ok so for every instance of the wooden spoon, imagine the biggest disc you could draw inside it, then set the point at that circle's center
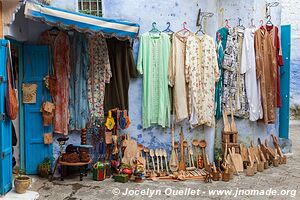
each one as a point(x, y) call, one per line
point(166, 160)
point(176, 146)
point(146, 150)
point(195, 143)
point(202, 144)
point(152, 155)
point(157, 154)
point(161, 154)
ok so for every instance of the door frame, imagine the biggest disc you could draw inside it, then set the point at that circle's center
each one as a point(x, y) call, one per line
point(21, 106)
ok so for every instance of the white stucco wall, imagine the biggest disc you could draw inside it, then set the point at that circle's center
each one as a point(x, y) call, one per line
point(290, 15)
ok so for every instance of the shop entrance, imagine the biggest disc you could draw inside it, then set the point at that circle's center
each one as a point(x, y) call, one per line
point(36, 65)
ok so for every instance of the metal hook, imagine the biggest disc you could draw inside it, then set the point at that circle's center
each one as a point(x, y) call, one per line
point(239, 20)
point(154, 25)
point(168, 25)
point(184, 23)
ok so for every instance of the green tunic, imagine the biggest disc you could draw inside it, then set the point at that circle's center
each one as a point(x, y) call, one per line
point(153, 63)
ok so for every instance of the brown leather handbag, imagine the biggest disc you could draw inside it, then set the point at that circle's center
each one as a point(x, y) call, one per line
point(11, 99)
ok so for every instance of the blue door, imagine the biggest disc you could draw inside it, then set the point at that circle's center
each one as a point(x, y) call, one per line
point(5, 128)
point(36, 60)
point(285, 82)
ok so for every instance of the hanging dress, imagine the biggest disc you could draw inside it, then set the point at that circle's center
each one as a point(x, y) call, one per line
point(153, 61)
point(99, 73)
point(60, 46)
point(78, 98)
point(202, 73)
point(177, 75)
point(266, 72)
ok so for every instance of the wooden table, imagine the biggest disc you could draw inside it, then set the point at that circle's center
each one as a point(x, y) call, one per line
point(82, 168)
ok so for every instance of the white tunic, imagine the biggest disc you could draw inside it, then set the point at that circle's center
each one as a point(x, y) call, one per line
point(248, 67)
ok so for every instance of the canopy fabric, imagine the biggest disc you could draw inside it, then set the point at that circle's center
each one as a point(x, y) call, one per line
point(81, 22)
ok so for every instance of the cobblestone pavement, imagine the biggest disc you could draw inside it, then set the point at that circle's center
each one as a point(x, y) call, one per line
point(284, 177)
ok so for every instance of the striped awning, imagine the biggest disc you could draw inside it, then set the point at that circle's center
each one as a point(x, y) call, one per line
point(81, 22)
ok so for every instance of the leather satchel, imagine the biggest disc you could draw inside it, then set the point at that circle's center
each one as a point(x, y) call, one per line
point(11, 100)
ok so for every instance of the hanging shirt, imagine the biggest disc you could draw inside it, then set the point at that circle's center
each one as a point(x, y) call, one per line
point(221, 40)
point(78, 98)
point(177, 76)
point(123, 68)
point(153, 63)
point(60, 46)
point(274, 31)
point(202, 73)
point(248, 68)
point(99, 73)
point(266, 71)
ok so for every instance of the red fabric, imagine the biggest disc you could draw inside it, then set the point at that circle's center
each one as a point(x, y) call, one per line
point(277, 47)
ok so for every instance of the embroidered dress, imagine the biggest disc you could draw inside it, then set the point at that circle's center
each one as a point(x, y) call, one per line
point(202, 73)
point(177, 76)
point(78, 99)
point(248, 67)
point(60, 46)
point(99, 73)
point(153, 63)
point(266, 72)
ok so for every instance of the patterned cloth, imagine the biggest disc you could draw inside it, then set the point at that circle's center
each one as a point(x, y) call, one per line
point(99, 73)
point(230, 71)
point(61, 62)
point(202, 73)
point(78, 98)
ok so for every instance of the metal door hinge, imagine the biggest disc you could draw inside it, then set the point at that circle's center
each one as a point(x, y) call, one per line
point(2, 117)
point(2, 155)
point(1, 79)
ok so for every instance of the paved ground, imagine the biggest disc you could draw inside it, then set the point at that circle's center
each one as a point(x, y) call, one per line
point(285, 177)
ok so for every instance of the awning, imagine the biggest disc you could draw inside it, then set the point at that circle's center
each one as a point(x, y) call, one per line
point(81, 22)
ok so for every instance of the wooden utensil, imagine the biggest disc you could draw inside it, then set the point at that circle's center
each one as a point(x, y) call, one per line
point(226, 122)
point(188, 153)
point(161, 153)
point(202, 144)
point(232, 161)
point(195, 143)
point(131, 150)
point(157, 158)
point(182, 161)
point(140, 157)
point(166, 160)
point(152, 155)
point(214, 167)
point(238, 161)
point(174, 156)
point(276, 145)
point(233, 125)
point(244, 152)
point(146, 150)
point(176, 147)
point(192, 157)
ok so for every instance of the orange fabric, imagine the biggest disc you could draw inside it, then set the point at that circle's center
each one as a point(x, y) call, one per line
point(266, 70)
point(61, 62)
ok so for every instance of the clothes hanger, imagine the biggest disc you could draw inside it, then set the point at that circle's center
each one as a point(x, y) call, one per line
point(184, 28)
point(252, 25)
point(269, 22)
point(240, 25)
point(227, 23)
point(154, 29)
point(54, 30)
point(168, 30)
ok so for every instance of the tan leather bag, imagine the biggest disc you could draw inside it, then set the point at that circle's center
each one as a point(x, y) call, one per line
point(11, 99)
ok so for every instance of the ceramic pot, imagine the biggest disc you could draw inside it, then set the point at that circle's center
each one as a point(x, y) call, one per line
point(21, 184)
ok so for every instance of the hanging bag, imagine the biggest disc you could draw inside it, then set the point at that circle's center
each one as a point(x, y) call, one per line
point(11, 100)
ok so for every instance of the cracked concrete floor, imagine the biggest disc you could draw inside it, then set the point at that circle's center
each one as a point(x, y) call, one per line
point(280, 178)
